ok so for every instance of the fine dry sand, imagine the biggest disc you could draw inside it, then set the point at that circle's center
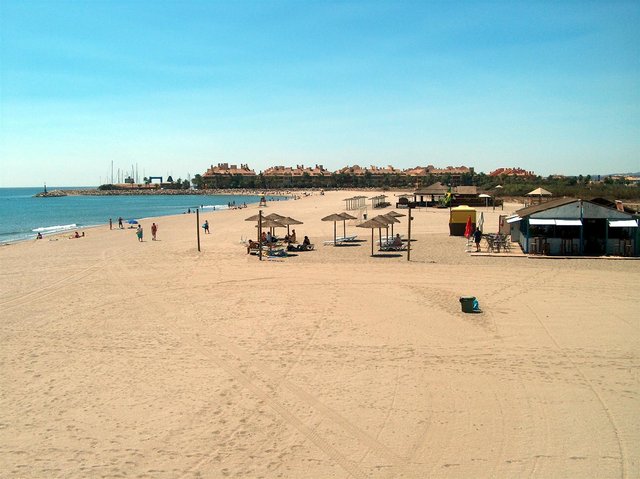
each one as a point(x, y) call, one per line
point(154, 360)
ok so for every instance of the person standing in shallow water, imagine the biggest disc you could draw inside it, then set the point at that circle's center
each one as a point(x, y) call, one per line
point(139, 233)
point(110, 224)
point(154, 230)
point(120, 223)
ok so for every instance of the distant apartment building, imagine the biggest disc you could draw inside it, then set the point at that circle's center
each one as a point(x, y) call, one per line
point(225, 175)
point(517, 172)
point(372, 170)
point(298, 171)
point(225, 169)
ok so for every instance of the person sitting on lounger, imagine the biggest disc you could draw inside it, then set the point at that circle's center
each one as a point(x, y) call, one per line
point(306, 241)
point(252, 245)
point(292, 236)
point(397, 241)
point(263, 237)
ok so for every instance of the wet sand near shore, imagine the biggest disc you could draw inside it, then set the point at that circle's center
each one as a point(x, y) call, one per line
point(128, 359)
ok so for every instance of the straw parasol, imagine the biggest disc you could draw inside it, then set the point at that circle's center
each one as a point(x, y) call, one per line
point(394, 214)
point(387, 220)
point(275, 216)
point(271, 223)
point(372, 224)
point(288, 221)
point(345, 217)
point(539, 192)
point(335, 218)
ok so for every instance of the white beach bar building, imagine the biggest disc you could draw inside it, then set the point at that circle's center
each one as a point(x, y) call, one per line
point(571, 226)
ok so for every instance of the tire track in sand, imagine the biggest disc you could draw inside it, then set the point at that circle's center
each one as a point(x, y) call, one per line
point(217, 357)
point(57, 285)
point(612, 422)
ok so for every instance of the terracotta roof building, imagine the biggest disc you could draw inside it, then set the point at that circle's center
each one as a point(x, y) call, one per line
point(519, 172)
point(229, 170)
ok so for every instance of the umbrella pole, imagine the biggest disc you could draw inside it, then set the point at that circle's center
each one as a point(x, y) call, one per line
point(409, 239)
point(198, 226)
point(260, 235)
point(334, 233)
point(371, 241)
point(344, 229)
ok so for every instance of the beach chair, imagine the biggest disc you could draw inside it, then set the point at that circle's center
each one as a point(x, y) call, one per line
point(391, 247)
point(342, 239)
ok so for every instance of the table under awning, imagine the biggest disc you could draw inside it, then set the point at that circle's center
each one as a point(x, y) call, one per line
point(623, 223)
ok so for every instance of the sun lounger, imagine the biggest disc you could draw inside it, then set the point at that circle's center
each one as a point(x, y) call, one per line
point(391, 247)
point(300, 247)
point(342, 239)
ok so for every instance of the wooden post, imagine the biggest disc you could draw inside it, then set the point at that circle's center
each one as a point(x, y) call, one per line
point(198, 226)
point(260, 234)
point(409, 240)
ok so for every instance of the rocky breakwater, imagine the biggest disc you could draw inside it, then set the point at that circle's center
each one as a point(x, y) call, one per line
point(51, 194)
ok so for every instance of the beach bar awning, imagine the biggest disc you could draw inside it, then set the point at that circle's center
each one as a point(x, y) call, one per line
point(551, 222)
point(623, 223)
point(513, 219)
point(568, 223)
point(541, 222)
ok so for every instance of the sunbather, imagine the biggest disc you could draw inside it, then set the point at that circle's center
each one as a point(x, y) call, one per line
point(252, 245)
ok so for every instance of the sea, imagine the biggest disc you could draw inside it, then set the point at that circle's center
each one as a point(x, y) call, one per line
point(22, 216)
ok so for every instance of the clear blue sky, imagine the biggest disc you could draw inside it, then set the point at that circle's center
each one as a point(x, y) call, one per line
point(176, 86)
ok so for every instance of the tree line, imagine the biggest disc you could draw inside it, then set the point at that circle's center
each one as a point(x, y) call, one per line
point(575, 186)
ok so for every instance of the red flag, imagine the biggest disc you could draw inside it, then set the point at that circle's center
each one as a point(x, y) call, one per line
point(467, 229)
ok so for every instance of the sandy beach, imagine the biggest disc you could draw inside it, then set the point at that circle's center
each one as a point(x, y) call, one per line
point(154, 360)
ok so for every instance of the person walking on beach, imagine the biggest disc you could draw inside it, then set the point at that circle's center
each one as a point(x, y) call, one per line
point(110, 224)
point(120, 223)
point(477, 237)
point(154, 230)
point(139, 233)
point(206, 226)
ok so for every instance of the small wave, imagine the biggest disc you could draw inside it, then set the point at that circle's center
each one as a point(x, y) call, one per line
point(214, 207)
point(54, 229)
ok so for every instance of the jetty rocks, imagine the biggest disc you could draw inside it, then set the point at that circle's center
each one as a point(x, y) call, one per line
point(51, 194)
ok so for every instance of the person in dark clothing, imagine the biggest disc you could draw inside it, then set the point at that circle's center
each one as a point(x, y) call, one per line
point(477, 237)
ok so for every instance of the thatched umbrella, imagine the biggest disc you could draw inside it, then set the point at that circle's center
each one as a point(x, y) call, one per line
point(335, 218)
point(287, 221)
point(394, 214)
point(372, 224)
point(387, 220)
point(345, 217)
point(539, 192)
point(275, 216)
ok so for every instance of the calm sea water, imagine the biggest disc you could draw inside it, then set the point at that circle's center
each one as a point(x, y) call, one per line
point(22, 216)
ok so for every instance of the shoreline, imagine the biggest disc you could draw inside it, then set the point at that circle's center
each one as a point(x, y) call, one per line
point(166, 192)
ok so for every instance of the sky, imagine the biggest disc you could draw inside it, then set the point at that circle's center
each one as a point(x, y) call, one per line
point(176, 86)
